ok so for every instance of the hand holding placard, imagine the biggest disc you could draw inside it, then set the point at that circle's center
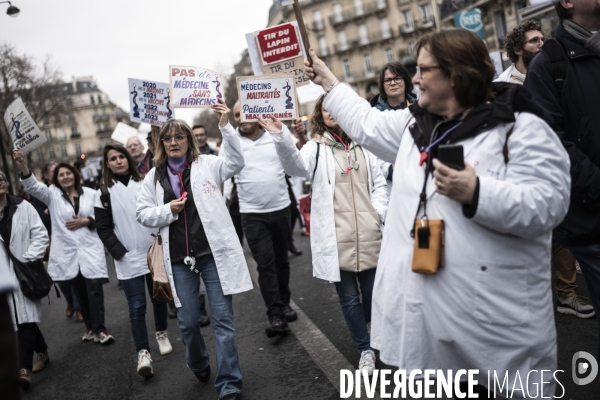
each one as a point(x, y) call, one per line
point(223, 111)
point(318, 72)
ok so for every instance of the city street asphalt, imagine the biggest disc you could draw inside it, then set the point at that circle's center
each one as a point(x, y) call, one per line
point(302, 366)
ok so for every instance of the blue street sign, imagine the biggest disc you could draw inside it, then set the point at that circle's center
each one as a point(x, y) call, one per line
point(470, 20)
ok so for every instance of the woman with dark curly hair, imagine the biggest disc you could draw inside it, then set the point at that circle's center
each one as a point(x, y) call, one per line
point(521, 45)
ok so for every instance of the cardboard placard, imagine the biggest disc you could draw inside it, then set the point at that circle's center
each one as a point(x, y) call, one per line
point(194, 87)
point(23, 130)
point(267, 95)
point(291, 66)
point(154, 102)
point(278, 43)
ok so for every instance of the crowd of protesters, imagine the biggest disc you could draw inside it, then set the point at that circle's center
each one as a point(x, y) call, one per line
point(439, 262)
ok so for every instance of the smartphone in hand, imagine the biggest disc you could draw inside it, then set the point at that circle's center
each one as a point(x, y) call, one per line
point(452, 156)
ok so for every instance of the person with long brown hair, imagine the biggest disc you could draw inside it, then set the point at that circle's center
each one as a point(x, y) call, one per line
point(348, 208)
point(485, 208)
point(128, 243)
point(76, 252)
point(181, 197)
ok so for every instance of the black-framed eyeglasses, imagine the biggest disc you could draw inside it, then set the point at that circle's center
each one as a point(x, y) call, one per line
point(169, 139)
point(397, 80)
point(536, 40)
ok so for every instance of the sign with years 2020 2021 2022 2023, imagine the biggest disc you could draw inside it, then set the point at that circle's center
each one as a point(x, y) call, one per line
point(267, 95)
point(149, 102)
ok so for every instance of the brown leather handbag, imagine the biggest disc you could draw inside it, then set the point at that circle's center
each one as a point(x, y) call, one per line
point(161, 288)
point(428, 254)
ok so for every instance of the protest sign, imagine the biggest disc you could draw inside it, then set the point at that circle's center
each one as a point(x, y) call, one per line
point(149, 102)
point(23, 130)
point(275, 59)
point(123, 132)
point(265, 96)
point(194, 87)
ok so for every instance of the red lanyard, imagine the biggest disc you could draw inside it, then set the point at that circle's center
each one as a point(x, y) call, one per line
point(182, 190)
point(339, 139)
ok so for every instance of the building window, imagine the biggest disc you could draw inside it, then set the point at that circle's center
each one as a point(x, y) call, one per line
point(99, 99)
point(347, 69)
point(92, 100)
point(337, 11)
point(51, 153)
point(408, 20)
point(389, 54)
point(362, 34)
point(426, 13)
point(342, 39)
point(358, 7)
point(60, 135)
point(385, 28)
point(74, 131)
point(381, 4)
point(95, 112)
point(368, 64)
point(103, 110)
point(77, 149)
point(63, 150)
point(318, 24)
point(48, 135)
point(410, 47)
point(323, 45)
point(500, 27)
point(99, 126)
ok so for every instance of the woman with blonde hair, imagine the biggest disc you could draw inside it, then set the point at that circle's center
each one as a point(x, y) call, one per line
point(348, 208)
point(181, 196)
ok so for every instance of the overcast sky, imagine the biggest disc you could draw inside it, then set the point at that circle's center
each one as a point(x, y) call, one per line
point(115, 40)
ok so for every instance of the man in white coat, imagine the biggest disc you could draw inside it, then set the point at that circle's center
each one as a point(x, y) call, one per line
point(521, 45)
point(265, 210)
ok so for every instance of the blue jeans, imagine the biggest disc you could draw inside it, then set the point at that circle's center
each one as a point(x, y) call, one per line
point(357, 313)
point(589, 261)
point(135, 292)
point(187, 283)
point(69, 292)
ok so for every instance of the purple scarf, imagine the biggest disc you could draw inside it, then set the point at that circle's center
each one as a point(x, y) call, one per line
point(176, 164)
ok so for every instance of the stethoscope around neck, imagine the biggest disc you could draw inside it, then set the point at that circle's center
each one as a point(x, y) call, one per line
point(349, 167)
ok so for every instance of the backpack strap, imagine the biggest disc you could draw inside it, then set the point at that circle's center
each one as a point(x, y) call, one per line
point(105, 198)
point(505, 147)
point(555, 54)
point(317, 161)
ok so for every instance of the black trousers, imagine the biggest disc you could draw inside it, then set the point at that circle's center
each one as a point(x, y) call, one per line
point(9, 371)
point(236, 218)
point(268, 235)
point(90, 295)
point(31, 341)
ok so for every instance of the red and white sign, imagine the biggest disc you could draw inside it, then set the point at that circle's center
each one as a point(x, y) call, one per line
point(278, 43)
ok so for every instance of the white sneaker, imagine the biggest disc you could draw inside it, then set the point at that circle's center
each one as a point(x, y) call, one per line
point(87, 336)
point(144, 367)
point(577, 267)
point(164, 346)
point(104, 338)
point(367, 361)
point(576, 305)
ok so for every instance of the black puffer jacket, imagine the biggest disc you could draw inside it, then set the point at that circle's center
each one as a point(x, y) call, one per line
point(575, 117)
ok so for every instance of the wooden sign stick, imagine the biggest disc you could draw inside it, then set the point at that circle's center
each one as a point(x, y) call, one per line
point(303, 32)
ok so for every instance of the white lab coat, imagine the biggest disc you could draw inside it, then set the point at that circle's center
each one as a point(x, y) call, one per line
point(490, 307)
point(505, 76)
point(136, 238)
point(28, 242)
point(207, 174)
point(323, 238)
point(70, 251)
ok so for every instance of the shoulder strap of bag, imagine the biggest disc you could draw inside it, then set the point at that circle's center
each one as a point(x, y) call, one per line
point(316, 161)
point(105, 198)
point(505, 147)
point(555, 54)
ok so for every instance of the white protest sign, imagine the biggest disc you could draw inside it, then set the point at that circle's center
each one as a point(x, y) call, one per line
point(194, 87)
point(23, 130)
point(123, 132)
point(497, 60)
point(267, 95)
point(149, 102)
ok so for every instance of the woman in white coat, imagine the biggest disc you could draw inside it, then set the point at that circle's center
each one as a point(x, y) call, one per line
point(128, 243)
point(22, 231)
point(348, 206)
point(182, 197)
point(490, 307)
point(76, 252)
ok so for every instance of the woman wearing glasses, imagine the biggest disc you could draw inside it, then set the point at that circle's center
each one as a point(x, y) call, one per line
point(490, 306)
point(181, 196)
point(348, 207)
